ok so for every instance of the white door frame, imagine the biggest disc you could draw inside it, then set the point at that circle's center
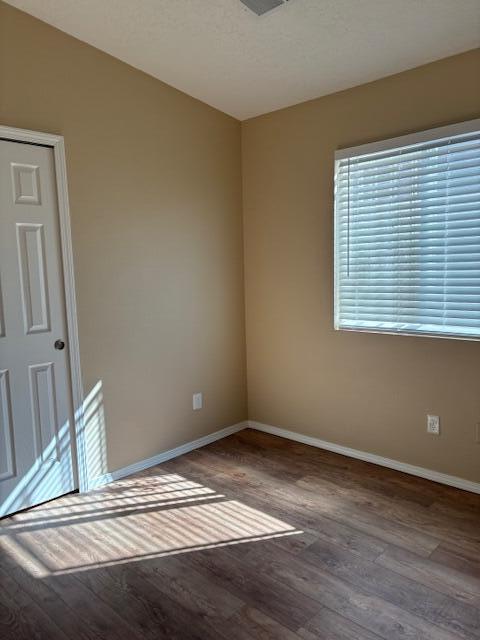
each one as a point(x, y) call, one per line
point(76, 411)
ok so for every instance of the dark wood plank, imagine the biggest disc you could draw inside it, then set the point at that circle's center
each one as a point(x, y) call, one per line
point(410, 595)
point(149, 610)
point(433, 574)
point(21, 617)
point(251, 624)
point(328, 625)
point(456, 558)
point(258, 590)
point(69, 620)
point(190, 589)
point(360, 606)
point(436, 524)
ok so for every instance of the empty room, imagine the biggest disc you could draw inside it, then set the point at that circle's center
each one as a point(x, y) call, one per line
point(240, 320)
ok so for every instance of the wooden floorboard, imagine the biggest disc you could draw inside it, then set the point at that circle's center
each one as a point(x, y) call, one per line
point(252, 537)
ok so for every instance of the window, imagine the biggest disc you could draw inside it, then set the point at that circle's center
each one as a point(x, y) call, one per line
point(407, 234)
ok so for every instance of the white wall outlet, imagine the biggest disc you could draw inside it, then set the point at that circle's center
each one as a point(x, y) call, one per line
point(433, 425)
point(197, 401)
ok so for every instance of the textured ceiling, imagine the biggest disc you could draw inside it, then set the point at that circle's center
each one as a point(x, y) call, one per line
point(222, 53)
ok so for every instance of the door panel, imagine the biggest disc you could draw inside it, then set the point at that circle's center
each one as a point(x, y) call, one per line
point(35, 394)
point(26, 183)
point(2, 321)
point(31, 258)
point(7, 452)
point(44, 411)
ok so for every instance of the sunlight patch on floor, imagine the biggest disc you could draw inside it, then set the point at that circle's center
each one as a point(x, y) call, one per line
point(135, 519)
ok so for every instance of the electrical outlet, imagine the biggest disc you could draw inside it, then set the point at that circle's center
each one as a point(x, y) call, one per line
point(197, 401)
point(433, 425)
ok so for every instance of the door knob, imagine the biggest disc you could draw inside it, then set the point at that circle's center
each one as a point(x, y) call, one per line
point(59, 345)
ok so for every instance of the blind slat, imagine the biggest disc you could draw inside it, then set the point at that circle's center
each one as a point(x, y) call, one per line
point(452, 168)
point(422, 180)
point(423, 210)
point(413, 154)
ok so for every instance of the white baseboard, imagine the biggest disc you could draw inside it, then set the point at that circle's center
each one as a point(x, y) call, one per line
point(429, 474)
point(436, 476)
point(99, 481)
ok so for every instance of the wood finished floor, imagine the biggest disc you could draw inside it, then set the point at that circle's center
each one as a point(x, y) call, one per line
point(252, 537)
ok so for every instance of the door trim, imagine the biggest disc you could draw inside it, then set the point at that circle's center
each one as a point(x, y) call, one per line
point(76, 411)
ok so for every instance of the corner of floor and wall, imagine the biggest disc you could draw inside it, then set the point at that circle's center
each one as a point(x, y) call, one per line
point(368, 392)
point(169, 198)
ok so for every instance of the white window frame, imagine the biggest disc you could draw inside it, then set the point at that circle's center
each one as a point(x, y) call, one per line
point(428, 135)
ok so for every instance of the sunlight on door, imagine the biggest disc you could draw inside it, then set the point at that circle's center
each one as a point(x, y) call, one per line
point(52, 466)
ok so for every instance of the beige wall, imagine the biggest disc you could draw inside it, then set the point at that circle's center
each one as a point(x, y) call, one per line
point(155, 188)
point(370, 392)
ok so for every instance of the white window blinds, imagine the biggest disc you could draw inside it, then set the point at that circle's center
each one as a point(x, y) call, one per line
point(407, 234)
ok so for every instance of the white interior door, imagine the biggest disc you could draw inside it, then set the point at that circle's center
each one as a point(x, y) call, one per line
point(35, 396)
